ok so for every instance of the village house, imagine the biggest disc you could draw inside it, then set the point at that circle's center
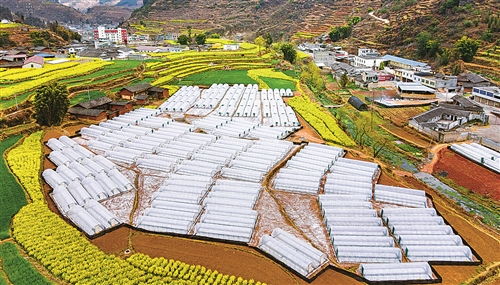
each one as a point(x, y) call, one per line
point(437, 81)
point(143, 93)
point(414, 90)
point(489, 95)
point(231, 47)
point(100, 109)
point(324, 58)
point(171, 36)
point(446, 117)
point(468, 80)
point(368, 58)
point(34, 62)
point(396, 62)
point(41, 49)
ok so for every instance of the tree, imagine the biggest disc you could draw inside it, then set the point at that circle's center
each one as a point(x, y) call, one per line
point(289, 52)
point(51, 104)
point(5, 39)
point(427, 47)
point(200, 39)
point(444, 57)
point(260, 42)
point(340, 33)
point(344, 80)
point(269, 40)
point(467, 48)
point(183, 40)
point(379, 146)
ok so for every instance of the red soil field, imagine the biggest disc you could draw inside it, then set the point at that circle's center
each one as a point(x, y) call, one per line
point(468, 174)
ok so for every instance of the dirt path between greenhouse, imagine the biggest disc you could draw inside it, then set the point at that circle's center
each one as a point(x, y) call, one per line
point(429, 167)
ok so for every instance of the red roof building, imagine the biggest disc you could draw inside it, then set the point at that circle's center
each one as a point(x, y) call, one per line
point(34, 62)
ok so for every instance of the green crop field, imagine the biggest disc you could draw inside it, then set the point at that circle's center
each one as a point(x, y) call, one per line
point(86, 96)
point(278, 83)
point(217, 76)
point(12, 196)
point(17, 268)
point(119, 65)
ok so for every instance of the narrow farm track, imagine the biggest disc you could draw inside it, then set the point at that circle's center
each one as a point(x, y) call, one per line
point(429, 167)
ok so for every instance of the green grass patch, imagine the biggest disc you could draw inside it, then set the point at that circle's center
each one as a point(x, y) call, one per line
point(17, 268)
point(86, 96)
point(12, 196)
point(329, 78)
point(291, 73)
point(217, 76)
point(2, 280)
point(278, 83)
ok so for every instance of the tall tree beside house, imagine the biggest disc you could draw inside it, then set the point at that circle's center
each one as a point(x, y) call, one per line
point(183, 40)
point(51, 104)
point(344, 80)
point(269, 40)
point(289, 52)
point(200, 39)
point(467, 48)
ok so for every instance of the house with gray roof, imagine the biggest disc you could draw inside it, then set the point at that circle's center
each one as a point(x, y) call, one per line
point(446, 117)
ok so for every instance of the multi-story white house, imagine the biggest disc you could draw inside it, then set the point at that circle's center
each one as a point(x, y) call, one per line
point(116, 36)
point(368, 58)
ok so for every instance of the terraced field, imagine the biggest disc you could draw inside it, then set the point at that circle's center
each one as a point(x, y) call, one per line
point(17, 86)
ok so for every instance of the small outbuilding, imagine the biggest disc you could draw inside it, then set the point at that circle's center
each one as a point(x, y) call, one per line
point(34, 62)
point(357, 103)
point(100, 109)
point(143, 93)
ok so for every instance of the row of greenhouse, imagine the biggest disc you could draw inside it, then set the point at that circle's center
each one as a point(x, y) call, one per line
point(357, 233)
point(80, 181)
point(304, 171)
point(424, 236)
point(182, 100)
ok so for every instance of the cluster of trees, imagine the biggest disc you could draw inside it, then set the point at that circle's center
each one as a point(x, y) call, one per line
point(199, 39)
point(51, 104)
point(428, 47)
point(343, 32)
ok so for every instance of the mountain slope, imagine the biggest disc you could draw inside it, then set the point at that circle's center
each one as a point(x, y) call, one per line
point(45, 10)
point(251, 16)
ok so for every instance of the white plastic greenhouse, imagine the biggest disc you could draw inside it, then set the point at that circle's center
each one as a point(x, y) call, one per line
point(396, 271)
point(292, 251)
point(438, 253)
point(358, 254)
point(480, 154)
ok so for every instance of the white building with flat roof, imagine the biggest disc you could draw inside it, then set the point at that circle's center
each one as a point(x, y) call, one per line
point(487, 95)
